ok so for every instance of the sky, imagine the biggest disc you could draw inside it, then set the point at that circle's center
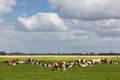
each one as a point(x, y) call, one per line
point(52, 26)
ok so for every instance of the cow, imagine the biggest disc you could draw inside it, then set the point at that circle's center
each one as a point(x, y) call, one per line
point(30, 60)
point(36, 62)
point(69, 64)
point(114, 62)
point(89, 63)
point(107, 60)
point(96, 61)
point(41, 64)
point(45, 65)
point(13, 62)
point(82, 61)
point(83, 65)
point(58, 65)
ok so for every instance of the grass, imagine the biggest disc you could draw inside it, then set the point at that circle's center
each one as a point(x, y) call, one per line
point(34, 72)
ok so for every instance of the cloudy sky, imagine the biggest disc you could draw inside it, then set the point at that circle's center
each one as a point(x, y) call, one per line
point(60, 26)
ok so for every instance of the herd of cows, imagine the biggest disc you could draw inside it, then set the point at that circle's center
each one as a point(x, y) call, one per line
point(62, 65)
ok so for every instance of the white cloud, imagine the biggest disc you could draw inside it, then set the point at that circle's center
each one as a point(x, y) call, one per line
point(87, 9)
point(35, 41)
point(73, 40)
point(109, 28)
point(48, 32)
point(43, 22)
point(79, 13)
point(6, 6)
point(110, 24)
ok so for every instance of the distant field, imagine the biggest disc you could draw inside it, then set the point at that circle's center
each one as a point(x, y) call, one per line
point(10, 56)
point(55, 57)
point(35, 72)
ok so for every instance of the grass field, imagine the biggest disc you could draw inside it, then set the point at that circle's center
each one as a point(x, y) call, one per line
point(34, 72)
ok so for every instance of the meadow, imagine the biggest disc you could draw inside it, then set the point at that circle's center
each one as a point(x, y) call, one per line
point(35, 72)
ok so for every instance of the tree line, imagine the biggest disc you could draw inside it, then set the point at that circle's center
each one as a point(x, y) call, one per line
point(90, 53)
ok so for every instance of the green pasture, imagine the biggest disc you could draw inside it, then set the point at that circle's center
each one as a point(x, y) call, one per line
point(35, 72)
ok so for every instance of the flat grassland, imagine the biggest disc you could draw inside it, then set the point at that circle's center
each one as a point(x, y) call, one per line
point(35, 72)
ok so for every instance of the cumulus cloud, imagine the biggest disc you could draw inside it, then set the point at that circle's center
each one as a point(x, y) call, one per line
point(43, 22)
point(6, 6)
point(103, 28)
point(41, 41)
point(73, 32)
point(87, 10)
point(109, 28)
point(74, 40)
point(110, 24)
point(97, 17)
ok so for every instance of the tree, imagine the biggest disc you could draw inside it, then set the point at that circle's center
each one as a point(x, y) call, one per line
point(3, 53)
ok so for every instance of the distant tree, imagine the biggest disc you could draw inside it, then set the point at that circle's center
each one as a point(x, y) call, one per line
point(92, 53)
point(3, 53)
point(16, 53)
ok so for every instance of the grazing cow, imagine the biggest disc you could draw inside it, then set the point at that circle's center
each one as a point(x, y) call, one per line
point(58, 65)
point(44, 65)
point(89, 63)
point(96, 61)
point(106, 60)
point(70, 64)
point(41, 64)
point(36, 62)
point(29, 60)
point(13, 62)
point(83, 65)
point(82, 61)
point(114, 62)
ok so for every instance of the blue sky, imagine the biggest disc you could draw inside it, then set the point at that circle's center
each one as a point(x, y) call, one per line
point(59, 26)
point(30, 7)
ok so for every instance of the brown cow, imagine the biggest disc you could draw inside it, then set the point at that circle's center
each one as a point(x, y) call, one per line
point(13, 62)
point(80, 61)
point(83, 63)
point(106, 60)
point(58, 65)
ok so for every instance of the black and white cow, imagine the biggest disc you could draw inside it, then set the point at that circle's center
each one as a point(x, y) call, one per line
point(41, 64)
point(29, 60)
point(69, 64)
